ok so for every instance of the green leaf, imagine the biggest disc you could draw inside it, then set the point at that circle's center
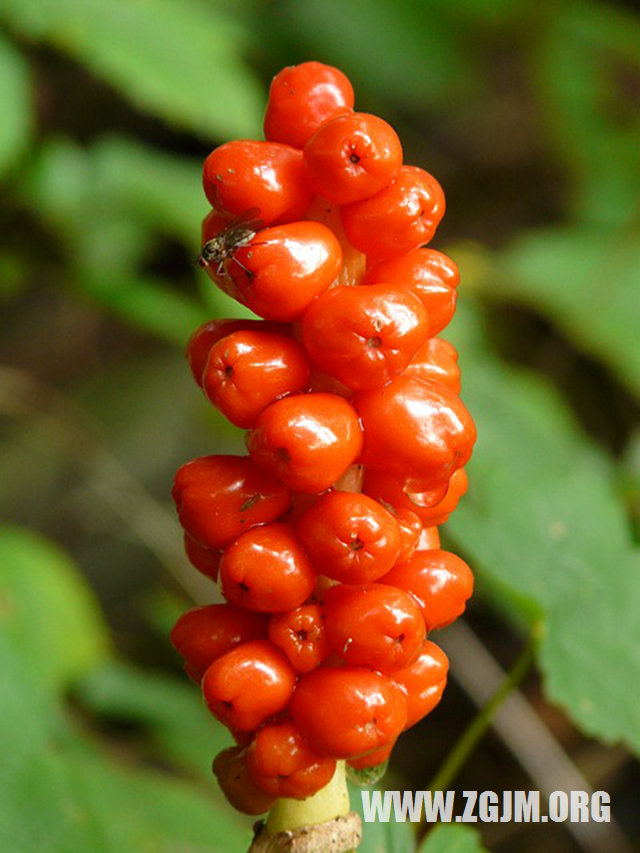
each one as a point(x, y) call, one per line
point(173, 713)
point(141, 811)
point(148, 303)
point(143, 194)
point(157, 188)
point(544, 523)
point(60, 801)
point(586, 281)
point(379, 837)
point(425, 60)
point(27, 710)
point(180, 61)
point(60, 791)
point(142, 185)
point(452, 838)
point(47, 610)
point(580, 63)
point(15, 106)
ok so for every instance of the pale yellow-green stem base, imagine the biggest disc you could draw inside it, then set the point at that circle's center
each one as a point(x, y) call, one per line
point(330, 802)
point(320, 824)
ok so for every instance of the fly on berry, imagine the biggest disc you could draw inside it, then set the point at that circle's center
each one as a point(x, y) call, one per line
point(223, 246)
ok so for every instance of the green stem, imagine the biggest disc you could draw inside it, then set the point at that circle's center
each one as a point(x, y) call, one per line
point(476, 729)
point(319, 824)
point(330, 802)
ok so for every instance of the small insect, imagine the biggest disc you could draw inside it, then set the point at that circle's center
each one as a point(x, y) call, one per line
point(238, 233)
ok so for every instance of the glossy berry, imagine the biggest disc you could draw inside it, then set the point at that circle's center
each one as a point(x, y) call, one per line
point(349, 537)
point(219, 497)
point(373, 625)
point(267, 570)
point(349, 711)
point(437, 514)
point(364, 336)
point(205, 560)
point(210, 333)
point(432, 276)
point(436, 359)
point(352, 157)
point(213, 223)
point(301, 98)
point(204, 633)
point(432, 507)
point(248, 370)
point(301, 635)
point(423, 682)
point(281, 270)
point(264, 177)
point(440, 582)
point(432, 435)
point(399, 218)
point(248, 684)
point(283, 764)
point(411, 530)
point(390, 489)
point(307, 440)
point(231, 771)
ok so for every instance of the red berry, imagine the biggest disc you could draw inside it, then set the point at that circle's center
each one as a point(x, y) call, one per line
point(231, 771)
point(265, 177)
point(248, 370)
point(432, 507)
point(213, 223)
point(423, 682)
point(266, 569)
point(208, 334)
point(352, 157)
point(283, 764)
point(440, 512)
point(301, 635)
point(419, 432)
point(205, 560)
point(411, 530)
point(349, 711)
point(373, 625)
point(364, 336)
point(350, 537)
point(201, 635)
point(308, 440)
point(399, 218)
point(301, 98)
point(432, 276)
point(219, 497)
point(439, 581)
point(436, 359)
point(281, 270)
point(248, 684)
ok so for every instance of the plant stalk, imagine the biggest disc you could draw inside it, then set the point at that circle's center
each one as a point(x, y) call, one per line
point(319, 824)
point(478, 726)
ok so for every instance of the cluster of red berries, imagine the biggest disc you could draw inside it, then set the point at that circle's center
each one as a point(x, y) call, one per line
point(324, 539)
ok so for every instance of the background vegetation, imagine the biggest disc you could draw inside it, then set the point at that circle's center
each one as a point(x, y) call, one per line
point(528, 113)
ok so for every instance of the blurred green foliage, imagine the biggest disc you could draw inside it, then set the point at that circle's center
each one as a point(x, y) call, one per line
point(529, 114)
